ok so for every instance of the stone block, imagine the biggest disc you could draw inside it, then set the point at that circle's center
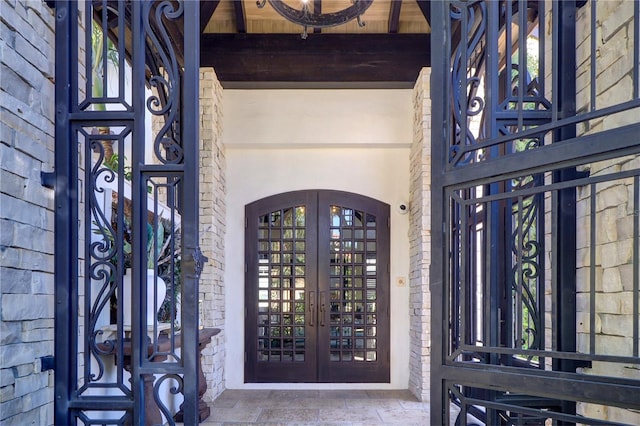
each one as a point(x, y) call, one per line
point(7, 393)
point(11, 408)
point(595, 411)
point(614, 16)
point(34, 238)
point(14, 85)
point(617, 253)
point(606, 230)
point(34, 144)
point(18, 307)
point(36, 261)
point(611, 281)
point(29, 418)
point(583, 323)
point(622, 416)
point(42, 283)
point(29, 384)
point(617, 325)
point(609, 303)
point(12, 184)
point(21, 211)
point(621, 119)
point(613, 345)
point(6, 377)
point(39, 323)
point(23, 370)
point(611, 197)
point(9, 333)
point(15, 280)
point(46, 413)
point(626, 276)
point(15, 162)
point(38, 335)
point(28, 73)
point(624, 227)
point(17, 354)
point(35, 57)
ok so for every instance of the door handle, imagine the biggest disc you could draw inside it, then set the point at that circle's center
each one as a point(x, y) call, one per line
point(312, 307)
point(323, 297)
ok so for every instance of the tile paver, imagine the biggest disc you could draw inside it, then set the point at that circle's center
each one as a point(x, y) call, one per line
point(317, 408)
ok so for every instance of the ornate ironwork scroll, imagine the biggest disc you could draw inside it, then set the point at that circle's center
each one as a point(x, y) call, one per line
point(120, 66)
point(521, 159)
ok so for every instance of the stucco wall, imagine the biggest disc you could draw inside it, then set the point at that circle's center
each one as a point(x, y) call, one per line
point(350, 140)
point(26, 211)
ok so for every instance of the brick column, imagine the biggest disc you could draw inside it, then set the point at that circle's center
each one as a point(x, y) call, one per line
point(420, 239)
point(212, 227)
point(26, 212)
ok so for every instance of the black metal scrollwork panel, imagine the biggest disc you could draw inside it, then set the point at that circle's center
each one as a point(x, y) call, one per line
point(163, 261)
point(120, 67)
point(165, 80)
point(158, 387)
point(517, 100)
point(99, 417)
point(467, 67)
point(527, 247)
point(104, 249)
point(107, 77)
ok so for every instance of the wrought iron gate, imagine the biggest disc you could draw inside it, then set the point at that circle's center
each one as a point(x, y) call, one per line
point(536, 168)
point(126, 180)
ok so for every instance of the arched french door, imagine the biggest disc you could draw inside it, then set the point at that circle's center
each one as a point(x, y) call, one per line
point(317, 288)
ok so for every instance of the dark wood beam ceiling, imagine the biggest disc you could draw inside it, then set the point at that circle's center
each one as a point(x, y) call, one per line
point(207, 7)
point(394, 16)
point(317, 9)
point(238, 12)
point(322, 60)
point(425, 7)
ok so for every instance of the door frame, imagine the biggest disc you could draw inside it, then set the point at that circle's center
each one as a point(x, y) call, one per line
point(324, 370)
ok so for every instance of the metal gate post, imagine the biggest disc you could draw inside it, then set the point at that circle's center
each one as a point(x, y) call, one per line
point(66, 216)
point(191, 249)
point(439, 130)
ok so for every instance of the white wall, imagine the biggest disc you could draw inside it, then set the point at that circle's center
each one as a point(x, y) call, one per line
point(285, 140)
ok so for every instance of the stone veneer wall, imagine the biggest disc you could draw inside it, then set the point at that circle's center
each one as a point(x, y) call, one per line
point(420, 239)
point(615, 212)
point(212, 227)
point(26, 211)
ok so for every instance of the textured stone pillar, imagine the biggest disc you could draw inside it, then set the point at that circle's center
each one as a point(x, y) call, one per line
point(26, 212)
point(212, 227)
point(420, 239)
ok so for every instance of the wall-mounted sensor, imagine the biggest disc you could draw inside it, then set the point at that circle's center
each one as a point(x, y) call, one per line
point(403, 207)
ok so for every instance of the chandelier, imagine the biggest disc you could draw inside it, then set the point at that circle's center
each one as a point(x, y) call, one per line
point(308, 18)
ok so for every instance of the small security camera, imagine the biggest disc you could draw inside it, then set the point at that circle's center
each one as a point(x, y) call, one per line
point(403, 207)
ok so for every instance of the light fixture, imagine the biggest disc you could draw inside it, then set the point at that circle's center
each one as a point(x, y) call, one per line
point(308, 18)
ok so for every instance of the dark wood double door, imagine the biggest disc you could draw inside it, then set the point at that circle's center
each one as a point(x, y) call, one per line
point(317, 288)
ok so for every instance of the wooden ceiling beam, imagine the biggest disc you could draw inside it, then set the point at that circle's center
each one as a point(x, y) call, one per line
point(425, 8)
point(238, 13)
point(394, 16)
point(317, 9)
point(207, 7)
point(285, 60)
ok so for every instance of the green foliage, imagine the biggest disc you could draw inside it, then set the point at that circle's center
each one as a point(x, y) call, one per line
point(112, 164)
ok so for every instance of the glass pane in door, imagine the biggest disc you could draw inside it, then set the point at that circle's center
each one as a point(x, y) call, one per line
point(353, 285)
point(282, 284)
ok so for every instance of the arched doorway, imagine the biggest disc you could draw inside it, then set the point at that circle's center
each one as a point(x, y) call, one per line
point(317, 288)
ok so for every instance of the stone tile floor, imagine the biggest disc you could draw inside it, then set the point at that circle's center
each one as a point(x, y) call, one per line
point(318, 407)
